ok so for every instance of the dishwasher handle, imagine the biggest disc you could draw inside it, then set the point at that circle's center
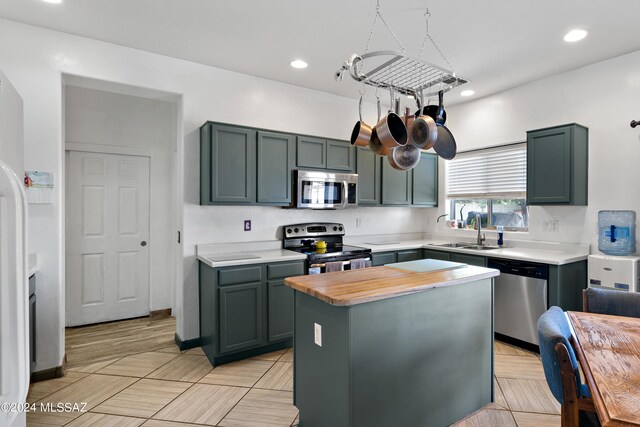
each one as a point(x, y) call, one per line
point(520, 268)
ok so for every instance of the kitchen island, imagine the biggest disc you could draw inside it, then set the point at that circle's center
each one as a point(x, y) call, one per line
point(407, 344)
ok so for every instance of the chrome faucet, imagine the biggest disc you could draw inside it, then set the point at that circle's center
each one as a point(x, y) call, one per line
point(481, 238)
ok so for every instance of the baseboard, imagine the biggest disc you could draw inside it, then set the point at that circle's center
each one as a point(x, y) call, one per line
point(47, 374)
point(158, 314)
point(187, 344)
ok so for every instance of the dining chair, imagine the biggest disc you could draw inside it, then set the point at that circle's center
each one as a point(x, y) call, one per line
point(561, 370)
point(609, 301)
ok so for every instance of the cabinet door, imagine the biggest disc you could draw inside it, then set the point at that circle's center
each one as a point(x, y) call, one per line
point(280, 306)
point(368, 168)
point(276, 156)
point(228, 165)
point(432, 254)
point(425, 181)
point(396, 186)
point(480, 261)
point(240, 316)
point(340, 156)
point(382, 258)
point(408, 255)
point(312, 152)
point(549, 166)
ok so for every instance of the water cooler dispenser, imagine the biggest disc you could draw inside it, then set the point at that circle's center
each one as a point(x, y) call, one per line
point(614, 272)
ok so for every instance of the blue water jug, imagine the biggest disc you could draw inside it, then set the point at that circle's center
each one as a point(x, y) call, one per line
point(617, 232)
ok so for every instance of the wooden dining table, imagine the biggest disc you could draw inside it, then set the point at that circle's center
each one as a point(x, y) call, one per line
point(608, 349)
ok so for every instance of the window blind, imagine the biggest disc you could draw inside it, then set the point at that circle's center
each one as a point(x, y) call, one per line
point(499, 172)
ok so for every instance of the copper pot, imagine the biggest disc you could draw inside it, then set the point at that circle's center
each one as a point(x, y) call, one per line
point(424, 130)
point(390, 129)
point(361, 134)
point(374, 143)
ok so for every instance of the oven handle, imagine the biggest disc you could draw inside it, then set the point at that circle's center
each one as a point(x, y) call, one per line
point(343, 263)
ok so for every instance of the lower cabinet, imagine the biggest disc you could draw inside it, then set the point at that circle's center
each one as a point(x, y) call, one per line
point(246, 310)
point(433, 254)
point(280, 299)
point(240, 316)
point(408, 255)
point(382, 258)
point(480, 261)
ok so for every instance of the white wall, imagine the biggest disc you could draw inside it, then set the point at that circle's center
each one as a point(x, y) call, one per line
point(108, 119)
point(604, 97)
point(11, 126)
point(35, 60)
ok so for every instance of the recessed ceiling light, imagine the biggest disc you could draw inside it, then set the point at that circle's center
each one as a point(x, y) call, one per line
point(575, 35)
point(53, 1)
point(467, 92)
point(298, 63)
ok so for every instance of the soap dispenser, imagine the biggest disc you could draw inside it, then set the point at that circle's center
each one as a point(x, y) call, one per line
point(500, 229)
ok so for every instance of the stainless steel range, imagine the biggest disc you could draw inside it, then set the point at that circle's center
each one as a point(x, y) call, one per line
point(322, 243)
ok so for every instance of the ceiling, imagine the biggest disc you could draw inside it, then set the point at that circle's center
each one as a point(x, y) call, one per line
point(495, 44)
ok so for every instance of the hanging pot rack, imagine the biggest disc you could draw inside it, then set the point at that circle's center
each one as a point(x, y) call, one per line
point(401, 73)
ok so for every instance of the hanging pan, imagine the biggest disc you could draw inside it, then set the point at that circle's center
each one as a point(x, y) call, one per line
point(404, 157)
point(374, 143)
point(424, 130)
point(390, 129)
point(361, 134)
point(445, 145)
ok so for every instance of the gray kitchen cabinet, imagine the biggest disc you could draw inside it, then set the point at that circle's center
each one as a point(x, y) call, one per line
point(396, 186)
point(240, 316)
point(280, 299)
point(312, 152)
point(566, 283)
point(425, 181)
point(557, 165)
point(227, 164)
point(246, 310)
point(275, 160)
point(369, 166)
point(340, 156)
point(480, 261)
point(319, 153)
point(408, 255)
point(382, 258)
point(435, 254)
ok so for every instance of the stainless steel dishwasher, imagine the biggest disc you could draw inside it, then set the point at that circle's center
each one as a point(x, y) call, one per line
point(520, 297)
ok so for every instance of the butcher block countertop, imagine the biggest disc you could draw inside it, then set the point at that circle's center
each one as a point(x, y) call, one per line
point(346, 288)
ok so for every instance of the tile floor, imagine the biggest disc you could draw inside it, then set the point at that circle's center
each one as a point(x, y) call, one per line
point(164, 387)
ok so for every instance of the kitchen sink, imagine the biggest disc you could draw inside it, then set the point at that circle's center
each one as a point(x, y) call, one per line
point(452, 245)
point(466, 245)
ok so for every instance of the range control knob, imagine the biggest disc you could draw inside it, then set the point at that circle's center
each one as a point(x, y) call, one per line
point(340, 228)
point(288, 231)
point(295, 230)
point(335, 228)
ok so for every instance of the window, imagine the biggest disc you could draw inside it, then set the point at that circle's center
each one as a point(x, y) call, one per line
point(491, 183)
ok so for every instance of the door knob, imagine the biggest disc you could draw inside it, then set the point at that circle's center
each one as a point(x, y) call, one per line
point(143, 243)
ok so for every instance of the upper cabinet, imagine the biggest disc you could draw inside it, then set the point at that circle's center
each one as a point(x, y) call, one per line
point(557, 165)
point(319, 153)
point(276, 157)
point(396, 186)
point(425, 181)
point(369, 176)
point(227, 164)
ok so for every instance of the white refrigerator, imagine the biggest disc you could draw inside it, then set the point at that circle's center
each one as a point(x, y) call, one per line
point(14, 283)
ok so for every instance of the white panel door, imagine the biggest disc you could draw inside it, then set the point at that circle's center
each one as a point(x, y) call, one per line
point(107, 236)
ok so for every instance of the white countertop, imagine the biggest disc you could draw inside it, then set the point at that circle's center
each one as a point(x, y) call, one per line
point(542, 252)
point(225, 255)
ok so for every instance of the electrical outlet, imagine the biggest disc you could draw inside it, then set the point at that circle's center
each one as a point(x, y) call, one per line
point(555, 225)
point(358, 222)
point(545, 225)
point(247, 225)
point(317, 334)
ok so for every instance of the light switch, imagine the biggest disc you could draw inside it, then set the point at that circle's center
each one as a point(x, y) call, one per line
point(317, 334)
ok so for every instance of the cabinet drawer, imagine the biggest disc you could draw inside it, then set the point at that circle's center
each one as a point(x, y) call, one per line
point(432, 254)
point(409, 255)
point(279, 271)
point(232, 276)
point(480, 261)
point(383, 258)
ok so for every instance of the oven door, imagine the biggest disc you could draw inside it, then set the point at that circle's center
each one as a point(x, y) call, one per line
point(318, 268)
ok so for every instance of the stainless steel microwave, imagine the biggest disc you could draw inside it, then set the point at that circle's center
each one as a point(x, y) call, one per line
point(326, 190)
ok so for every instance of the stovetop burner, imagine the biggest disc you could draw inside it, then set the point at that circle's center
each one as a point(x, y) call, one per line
point(307, 238)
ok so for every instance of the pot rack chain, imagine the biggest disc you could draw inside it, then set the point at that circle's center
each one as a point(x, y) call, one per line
point(400, 73)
